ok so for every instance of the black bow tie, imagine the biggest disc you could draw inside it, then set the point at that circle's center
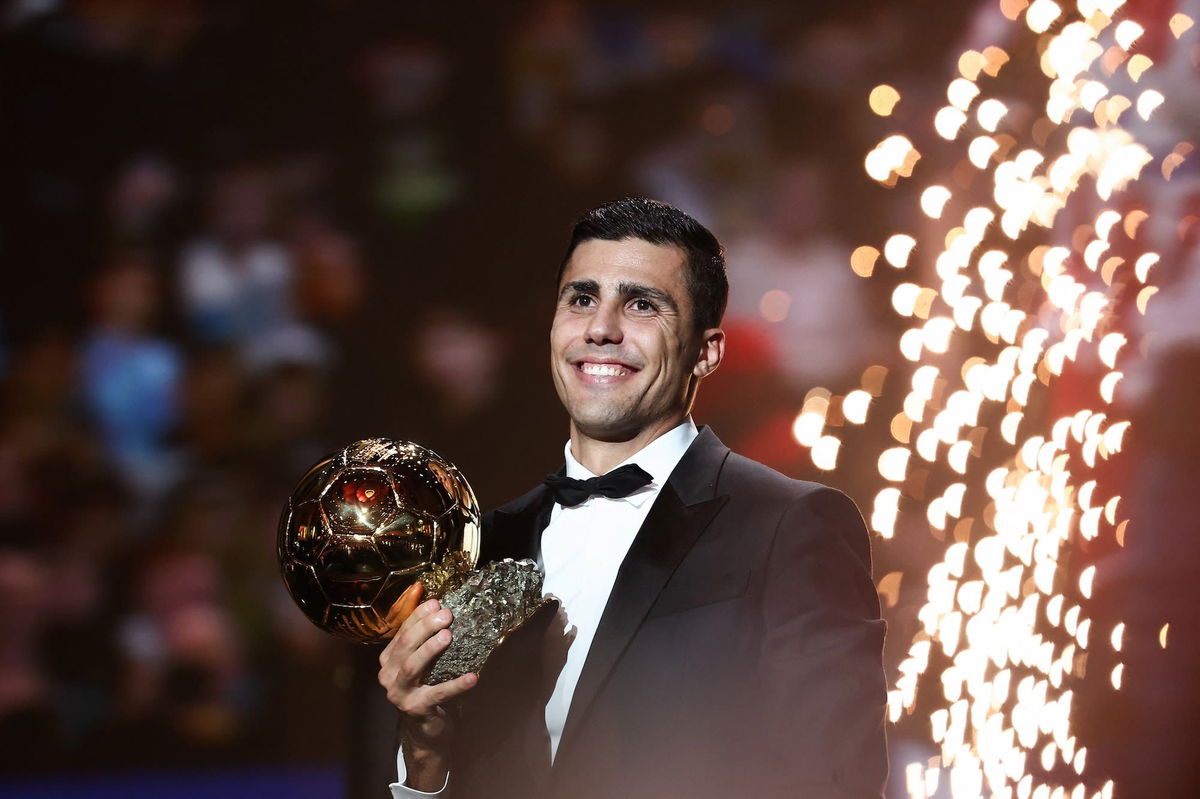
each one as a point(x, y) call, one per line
point(618, 483)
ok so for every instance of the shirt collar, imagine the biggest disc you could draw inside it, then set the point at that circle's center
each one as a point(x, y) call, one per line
point(659, 458)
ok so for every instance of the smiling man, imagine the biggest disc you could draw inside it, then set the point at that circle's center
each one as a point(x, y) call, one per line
point(723, 632)
point(626, 350)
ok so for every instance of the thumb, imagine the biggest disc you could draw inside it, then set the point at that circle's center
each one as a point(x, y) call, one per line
point(404, 605)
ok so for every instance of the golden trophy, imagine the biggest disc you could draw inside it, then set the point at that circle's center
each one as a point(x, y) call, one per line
point(366, 523)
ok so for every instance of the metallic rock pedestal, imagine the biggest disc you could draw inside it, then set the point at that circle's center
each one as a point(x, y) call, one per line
point(488, 605)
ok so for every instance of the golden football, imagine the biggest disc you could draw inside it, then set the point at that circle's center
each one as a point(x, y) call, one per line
point(361, 527)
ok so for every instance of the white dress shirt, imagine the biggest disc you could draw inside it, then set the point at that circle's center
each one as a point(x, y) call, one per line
point(582, 549)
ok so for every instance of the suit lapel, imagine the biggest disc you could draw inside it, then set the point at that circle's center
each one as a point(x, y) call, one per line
point(683, 509)
point(516, 528)
point(514, 531)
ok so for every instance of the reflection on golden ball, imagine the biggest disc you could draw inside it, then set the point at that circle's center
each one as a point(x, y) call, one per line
point(363, 524)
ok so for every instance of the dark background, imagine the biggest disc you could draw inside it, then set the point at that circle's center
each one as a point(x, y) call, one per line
point(238, 235)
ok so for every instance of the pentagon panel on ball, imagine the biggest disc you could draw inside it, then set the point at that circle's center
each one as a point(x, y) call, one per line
point(363, 524)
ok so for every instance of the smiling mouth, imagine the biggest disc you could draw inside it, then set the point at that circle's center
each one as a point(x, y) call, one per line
point(604, 369)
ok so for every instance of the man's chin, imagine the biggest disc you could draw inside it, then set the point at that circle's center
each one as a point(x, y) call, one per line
point(612, 430)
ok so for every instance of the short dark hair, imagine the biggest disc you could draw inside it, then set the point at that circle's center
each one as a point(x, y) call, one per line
point(659, 223)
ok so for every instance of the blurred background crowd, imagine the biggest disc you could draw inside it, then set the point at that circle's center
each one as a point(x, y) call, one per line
point(236, 236)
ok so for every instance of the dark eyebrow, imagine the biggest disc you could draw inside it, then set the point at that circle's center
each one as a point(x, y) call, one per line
point(625, 290)
point(631, 290)
point(579, 287)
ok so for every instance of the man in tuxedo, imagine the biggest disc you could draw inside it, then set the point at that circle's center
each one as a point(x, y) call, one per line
point(722, 637)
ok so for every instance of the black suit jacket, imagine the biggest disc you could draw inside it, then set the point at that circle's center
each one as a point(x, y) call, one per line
point(739, 654)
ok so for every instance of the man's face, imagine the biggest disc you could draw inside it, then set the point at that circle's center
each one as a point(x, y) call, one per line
point(624, 351)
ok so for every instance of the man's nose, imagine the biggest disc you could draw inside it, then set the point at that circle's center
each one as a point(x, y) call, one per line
point(605, 325)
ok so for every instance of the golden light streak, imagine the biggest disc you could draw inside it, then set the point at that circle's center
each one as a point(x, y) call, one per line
point(1114, 437)
point(1142, 266)
point(883, 99)
point(1069, 54)
point(1105, 222)
point(824, 453)
point(855, 406)
point(1148, 101)
point(1109, 269)
point(996, 58)
point(936, 334)
point(1110, 509)
point(1091, 93)
point(957, 456)
point(1010, 425)
point(927, 445)
point(863, 260)
point(893, 464)
point(1137, 66)
point(897, 249)
point(1127, 33)
point(971, 63)
point(948, 122)
point(1108, 348)
point(1112, 59)
point(892, 157)
point(807, 428)
point(873, 379)
point(924, 380)
point(1162, 636)
point(914, 780)
point(904, 298)
point(1089, 8)
point(933, 201)
point(1133, 221)
point(961, 92)
point(1118, 105)
point(1143, 298)
point(1041, 14)
point(914, 407)
point(884, 512)
point(965, 310)
point(878, 166)
point(997, 320)
point(1092, 253)
point(889, 588)
point(1170, 163)
point(1013, 8)
point(911, 343)
point(1108, 385)
point(1179, 24)
point(936, 514)
point(1086, 580)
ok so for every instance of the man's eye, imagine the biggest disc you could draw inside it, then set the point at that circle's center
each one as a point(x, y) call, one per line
point(581, 300)
point(644, 306)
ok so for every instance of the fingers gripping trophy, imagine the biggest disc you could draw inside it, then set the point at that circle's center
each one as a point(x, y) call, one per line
point(372, 529)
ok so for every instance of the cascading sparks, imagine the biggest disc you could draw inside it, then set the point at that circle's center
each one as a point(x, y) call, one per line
point(1011, 289)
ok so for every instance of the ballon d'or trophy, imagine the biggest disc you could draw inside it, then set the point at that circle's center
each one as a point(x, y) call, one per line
point(365, 524)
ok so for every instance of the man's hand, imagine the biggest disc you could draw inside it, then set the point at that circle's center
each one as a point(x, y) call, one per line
point(428, 727)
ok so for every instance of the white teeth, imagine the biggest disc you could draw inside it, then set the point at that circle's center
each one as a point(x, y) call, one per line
point(605, 369)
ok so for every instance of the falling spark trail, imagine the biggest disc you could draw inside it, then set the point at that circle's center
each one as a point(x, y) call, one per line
point(1000, 300)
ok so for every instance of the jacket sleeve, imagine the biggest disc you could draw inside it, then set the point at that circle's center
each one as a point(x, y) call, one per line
point(822, 656)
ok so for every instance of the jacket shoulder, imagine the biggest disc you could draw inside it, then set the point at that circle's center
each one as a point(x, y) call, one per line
point(522, 503)
point(758, 488)
point(742, 476)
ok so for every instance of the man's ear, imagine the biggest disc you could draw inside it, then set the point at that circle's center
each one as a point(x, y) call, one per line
point(712, 351)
